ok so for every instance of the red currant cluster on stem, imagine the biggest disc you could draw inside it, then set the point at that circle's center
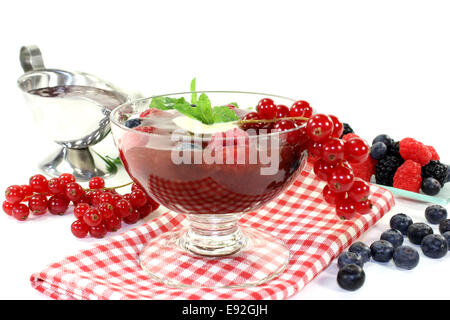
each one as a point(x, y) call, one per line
point(98, 209)
point(333, 163)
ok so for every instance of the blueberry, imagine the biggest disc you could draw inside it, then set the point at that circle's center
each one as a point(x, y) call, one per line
point(417, 231)
point(378, 150)
point(388, 141)
point(351, 277)
point(362, 249)
point(347, 257)
point(435, 213)
point(382, 250)
point(132, 123)
point(188, 146)
point(434, 246)
point(444, 226)
point(446, 235)
point(401, 222)
point(430, 186)
point(448, 174)
point(406, 257)
point(395, 237)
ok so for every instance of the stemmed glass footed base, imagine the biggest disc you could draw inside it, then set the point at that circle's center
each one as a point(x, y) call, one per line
point(213, 251)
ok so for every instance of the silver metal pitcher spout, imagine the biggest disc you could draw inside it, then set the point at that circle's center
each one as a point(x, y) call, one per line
point(73, 109)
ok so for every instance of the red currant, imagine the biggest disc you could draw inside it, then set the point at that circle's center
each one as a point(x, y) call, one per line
point(364, 207)
point(315, 148)
point(333, 150)
point(7, 207)
point(92, 217)
point(20, 211)
point(14, 194)
point(98, 231)
point(255, 125)
point(319, 127)
point(332, 197)
point(266, 108)
point(155, 205)
point(105, 197)
point(301, 109)
point(133, 217)
point(322, 169)
point(73, 191)
point(113, 223)
point(284, 125)
point(80, 209)
point(360, 190)
point(58, 204)
point(84, 199)
point(94, 197)
point(340, 179)
point(356, 150)
point(134, 186)
point(39, 183)
point(56, 186)
point(67, 178)
point(346, 209)
point(105, 209)
point(127, 196)
point(96, 183)
point(26, 190)
point(145, 210)
point(282, 111)
point(38, 204)
point(338, 127)
point(123, 208)
point(79, 229)
point(115, 198)
point(138, 198)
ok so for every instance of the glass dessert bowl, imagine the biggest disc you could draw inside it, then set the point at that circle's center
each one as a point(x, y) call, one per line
point(212, 173)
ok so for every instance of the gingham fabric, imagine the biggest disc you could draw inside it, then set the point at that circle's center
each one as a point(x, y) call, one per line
point(299, 217)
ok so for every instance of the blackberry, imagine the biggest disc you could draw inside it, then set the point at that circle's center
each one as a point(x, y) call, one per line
point(347, 129)
point(385, 170)
point(394, 150)
point(435, 169)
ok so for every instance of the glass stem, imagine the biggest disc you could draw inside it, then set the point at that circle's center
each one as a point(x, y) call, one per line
point(213, 235)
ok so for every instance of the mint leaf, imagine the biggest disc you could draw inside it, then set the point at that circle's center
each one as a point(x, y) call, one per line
point(165, 103)
point(205, 110)
point(193, 88)
point(186, 109)
point(224, 114)
point(234, 104)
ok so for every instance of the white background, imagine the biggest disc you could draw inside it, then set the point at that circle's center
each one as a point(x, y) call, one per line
point(382, 66)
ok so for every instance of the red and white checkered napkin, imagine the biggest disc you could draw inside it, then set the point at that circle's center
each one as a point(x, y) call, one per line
point(299, 217)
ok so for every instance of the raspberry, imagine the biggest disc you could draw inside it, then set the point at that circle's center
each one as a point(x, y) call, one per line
point(411, 149)
point(434, 154)
point(147, 129)
point(148, 112)
point(408, 176)
point(365, 170)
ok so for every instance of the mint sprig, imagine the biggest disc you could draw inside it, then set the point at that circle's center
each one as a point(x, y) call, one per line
point(200, 107)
